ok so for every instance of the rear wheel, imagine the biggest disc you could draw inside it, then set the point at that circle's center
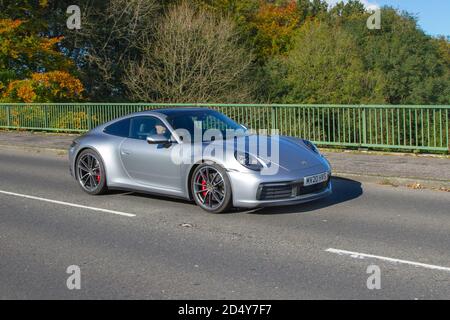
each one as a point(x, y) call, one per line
point(90, 172)
point(211, 188)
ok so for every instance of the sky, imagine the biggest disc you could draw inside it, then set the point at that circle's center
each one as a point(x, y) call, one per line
point(433, 15)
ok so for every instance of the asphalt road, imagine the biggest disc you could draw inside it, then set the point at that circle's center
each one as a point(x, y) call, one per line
point(170, 249)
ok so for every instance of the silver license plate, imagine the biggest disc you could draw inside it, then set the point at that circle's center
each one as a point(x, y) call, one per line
point(315, 179)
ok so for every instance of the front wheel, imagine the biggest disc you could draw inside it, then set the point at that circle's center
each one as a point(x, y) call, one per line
point(211, 188)
point(90, 172)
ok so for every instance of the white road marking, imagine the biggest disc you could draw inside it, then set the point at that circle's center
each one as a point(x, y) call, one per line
point(363, 255)
point(67, 203)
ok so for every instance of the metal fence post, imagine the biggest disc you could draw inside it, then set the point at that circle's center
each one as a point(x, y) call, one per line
point(8, 116)
point(364, 128)
point(46, 123)
point(89, 116)
point(447, 130)
point(273, 115)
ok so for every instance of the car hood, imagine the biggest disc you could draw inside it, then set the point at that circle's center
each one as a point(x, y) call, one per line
point(293, 154)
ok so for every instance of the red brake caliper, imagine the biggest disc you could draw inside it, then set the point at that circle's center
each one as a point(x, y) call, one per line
point(203, 187)
point(98, 177)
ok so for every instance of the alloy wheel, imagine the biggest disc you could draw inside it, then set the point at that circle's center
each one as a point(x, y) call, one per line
point(89, 172)
point(209, 187)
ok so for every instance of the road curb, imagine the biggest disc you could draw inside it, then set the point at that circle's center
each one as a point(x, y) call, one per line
point(384, 153)
point(36, 149)
point(415, 183)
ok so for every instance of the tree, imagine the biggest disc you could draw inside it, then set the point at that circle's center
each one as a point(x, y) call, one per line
point(32, 69)
point(194, 57)
point(111, 34)
point(324, 66)
point(52, 86)
point(231, 50)
point(408, 59)
point(275, 25)
point(337, 59)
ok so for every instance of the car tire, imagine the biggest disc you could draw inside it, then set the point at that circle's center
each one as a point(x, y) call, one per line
point(90, 172)
point(211, 188)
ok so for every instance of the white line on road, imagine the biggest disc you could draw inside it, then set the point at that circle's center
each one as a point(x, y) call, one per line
point(363, 255)
point(67, 204)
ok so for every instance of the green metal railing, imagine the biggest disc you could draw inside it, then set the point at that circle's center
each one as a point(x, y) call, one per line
point(371, 126)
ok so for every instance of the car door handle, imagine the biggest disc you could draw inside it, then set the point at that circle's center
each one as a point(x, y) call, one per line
point(125, 152)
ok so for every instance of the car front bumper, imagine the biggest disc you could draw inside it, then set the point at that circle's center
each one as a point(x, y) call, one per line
point(246, 188)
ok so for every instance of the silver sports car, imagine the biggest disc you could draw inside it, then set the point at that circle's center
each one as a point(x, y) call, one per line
point(202, 155)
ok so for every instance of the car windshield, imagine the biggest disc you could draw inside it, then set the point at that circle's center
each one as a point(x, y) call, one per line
point(206, 120)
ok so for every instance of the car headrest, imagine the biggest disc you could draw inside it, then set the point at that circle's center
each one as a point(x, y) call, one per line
point(143, 128)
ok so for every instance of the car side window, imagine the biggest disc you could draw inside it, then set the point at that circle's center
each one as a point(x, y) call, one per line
point(142, 127)
point(120, 128)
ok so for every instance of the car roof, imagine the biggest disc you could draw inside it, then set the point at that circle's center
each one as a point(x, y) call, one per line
point(179, 110)
point(162, 113)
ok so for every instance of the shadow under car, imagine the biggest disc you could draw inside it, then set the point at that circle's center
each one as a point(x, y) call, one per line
point(343, 190)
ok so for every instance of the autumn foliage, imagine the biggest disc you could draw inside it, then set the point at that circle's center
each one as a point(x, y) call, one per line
point(32, 69)
point(275, 25)
point(44, 87)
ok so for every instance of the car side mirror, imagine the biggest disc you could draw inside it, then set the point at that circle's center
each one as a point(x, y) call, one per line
point(158, 139)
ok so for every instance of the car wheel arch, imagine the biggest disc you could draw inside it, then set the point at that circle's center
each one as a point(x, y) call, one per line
point(95, 150)
point(192, 170)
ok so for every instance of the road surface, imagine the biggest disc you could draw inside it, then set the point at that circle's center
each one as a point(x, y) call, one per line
point(130, 245)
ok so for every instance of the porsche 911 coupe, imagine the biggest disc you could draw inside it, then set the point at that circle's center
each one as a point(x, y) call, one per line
point(151, 152)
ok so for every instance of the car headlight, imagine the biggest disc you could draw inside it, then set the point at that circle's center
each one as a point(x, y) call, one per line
point(311, 146)
point(249, 161)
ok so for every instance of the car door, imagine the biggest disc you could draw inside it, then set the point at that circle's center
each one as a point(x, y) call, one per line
point(149, 164)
